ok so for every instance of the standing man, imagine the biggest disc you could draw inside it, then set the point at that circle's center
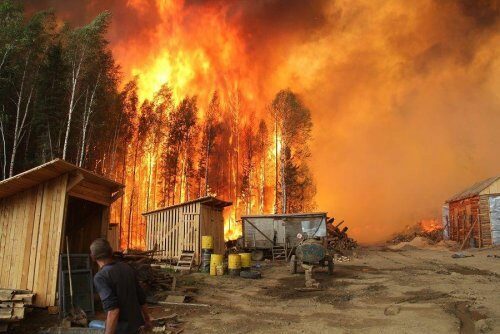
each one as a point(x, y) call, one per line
point(122, 297)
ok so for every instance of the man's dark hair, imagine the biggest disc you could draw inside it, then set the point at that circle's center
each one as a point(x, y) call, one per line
point(101, 249)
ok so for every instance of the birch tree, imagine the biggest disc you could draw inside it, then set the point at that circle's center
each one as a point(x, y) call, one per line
point(84, 44)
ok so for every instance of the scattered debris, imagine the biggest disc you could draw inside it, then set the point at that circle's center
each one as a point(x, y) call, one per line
point(392, 310)
point(183, 304)
point(461, 255)
point(341, 258)
point(253, 274)
point(12, 307)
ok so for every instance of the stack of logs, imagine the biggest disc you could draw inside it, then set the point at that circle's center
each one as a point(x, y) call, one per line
point(337, 237)
point(151, 277)
point(12, 307)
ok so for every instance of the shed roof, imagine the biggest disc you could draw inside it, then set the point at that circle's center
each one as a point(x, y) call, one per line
point(473, 190)
point(48, 171)
point(287, 215)
point(207, 200)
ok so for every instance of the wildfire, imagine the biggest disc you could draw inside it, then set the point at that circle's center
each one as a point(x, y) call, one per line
point(430, 225)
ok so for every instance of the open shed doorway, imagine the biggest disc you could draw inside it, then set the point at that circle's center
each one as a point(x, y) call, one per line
point(84, 221)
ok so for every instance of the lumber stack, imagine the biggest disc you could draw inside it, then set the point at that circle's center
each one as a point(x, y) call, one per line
point(337, 238)
point(12, 306)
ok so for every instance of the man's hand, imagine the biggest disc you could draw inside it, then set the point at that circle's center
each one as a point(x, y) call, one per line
point(112, 321)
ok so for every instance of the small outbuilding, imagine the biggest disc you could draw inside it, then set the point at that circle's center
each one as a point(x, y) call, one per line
point(38, 209)
point(473, 215)
point(179, 227)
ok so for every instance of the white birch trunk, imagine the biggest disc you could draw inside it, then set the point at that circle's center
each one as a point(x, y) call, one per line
point(20, 119)
point(86, 119)
point(75, 75)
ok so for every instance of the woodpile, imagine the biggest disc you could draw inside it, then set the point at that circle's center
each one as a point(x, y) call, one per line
point(151, 277)
point(337, 238)
point(12, 307)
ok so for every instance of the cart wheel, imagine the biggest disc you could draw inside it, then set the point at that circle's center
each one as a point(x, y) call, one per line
point(293, 265)
point(330, 265)
point(257, 255)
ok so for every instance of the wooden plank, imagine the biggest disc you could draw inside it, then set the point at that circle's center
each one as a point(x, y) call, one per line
point(12, 210)
point(35, 237)
point(40, 282)
point(3, 228)
point(74, 180)
point(28, 237)
point(51, 240)
point(19, 222)
point(91, 196)
point(60, 206)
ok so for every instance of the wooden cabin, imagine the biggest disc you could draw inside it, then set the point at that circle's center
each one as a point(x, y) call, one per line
point(38, 208)
point(180, 227)
point(474, 214)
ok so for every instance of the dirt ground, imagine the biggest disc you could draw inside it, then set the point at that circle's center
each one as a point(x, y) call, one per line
point(380, 291)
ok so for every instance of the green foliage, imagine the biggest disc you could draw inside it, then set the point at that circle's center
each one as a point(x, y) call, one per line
point(38, 59)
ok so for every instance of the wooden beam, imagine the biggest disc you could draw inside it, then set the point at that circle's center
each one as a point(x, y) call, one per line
point(117, 195)
point(77, 178)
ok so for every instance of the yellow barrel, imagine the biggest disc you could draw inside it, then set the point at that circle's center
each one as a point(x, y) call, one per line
point(234, 264)
point(207, 242)
point(246, 260)
point(215, 260)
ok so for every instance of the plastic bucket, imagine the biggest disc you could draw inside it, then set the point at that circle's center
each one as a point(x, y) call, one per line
point(215, 260)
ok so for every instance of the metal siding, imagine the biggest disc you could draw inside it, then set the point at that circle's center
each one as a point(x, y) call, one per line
point(495, 219)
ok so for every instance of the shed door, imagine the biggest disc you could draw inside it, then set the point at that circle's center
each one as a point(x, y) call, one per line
point(495, 219)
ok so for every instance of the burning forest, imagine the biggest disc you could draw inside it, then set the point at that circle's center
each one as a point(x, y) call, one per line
point(181, 99)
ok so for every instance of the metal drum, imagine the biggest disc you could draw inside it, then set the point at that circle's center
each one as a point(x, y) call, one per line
point(215, 260)
point(246, 261)
point(234, 264)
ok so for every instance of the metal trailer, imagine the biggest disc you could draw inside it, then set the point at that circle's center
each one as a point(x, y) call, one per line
point(276, 235)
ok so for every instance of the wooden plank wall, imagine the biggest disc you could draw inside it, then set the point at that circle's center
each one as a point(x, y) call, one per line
point(463, 214)
point(212, 223)
point(174, 229)
point(31, 224)
point(484, 220)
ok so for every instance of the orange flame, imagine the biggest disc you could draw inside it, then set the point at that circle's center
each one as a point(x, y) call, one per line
point(430, 225)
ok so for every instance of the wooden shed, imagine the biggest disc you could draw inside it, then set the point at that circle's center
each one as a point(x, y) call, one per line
point(38, 208)
point(474, 214)
point(179, 227)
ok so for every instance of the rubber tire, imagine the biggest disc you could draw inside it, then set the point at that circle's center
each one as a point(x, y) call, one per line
point(330, 266)
point(253, 274)
point(293, 265)
point(257, 255)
